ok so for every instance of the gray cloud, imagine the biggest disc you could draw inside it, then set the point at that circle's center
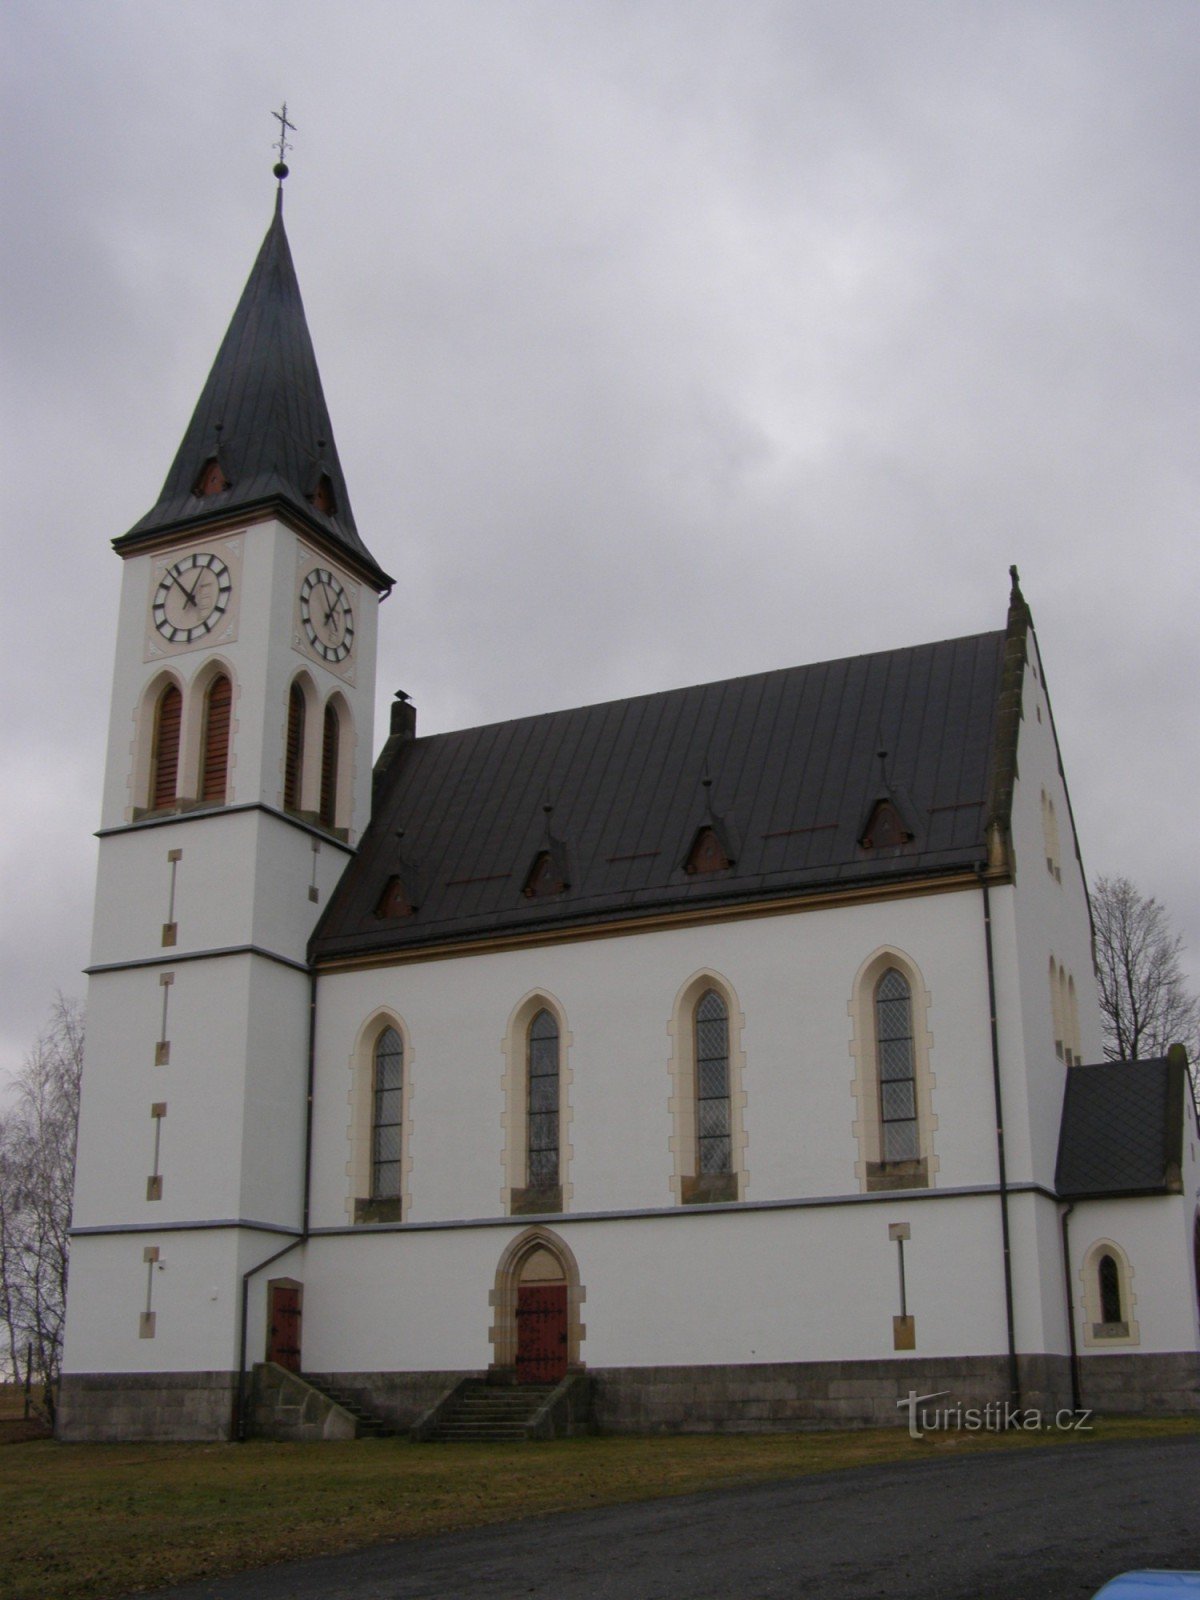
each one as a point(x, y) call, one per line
point(663, 342)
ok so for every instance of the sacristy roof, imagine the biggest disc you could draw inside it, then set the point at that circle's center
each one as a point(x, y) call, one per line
point(1122, 1129)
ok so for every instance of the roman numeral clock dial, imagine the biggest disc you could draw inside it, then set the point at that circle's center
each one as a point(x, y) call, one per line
point(326, 616)
point(191, 598)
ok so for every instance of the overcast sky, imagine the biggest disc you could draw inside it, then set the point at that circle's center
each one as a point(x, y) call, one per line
point(664, 341)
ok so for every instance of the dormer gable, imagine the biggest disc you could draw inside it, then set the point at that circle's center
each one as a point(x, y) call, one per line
point(886, 827)
point(707, 852)
point(210, 479)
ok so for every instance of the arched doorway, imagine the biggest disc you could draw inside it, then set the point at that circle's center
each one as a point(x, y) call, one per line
point(537, 1333)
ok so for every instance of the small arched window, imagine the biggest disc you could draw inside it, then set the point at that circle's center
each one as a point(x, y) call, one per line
point(387, 1097)
point(541, 1128)
point(164, 765)
point(293, 760)
point(714, 1150)
point(897, 1069)
point(330, 739)
point(1109, 1284)
point(214, 774)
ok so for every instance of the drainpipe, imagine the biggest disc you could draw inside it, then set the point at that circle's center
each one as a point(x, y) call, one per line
point(241, 1420)
point(1076, 1386)
point(1014, 1377)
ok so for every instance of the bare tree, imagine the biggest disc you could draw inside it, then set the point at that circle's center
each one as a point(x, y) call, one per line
point(37, 1177)
point(1145, 1005)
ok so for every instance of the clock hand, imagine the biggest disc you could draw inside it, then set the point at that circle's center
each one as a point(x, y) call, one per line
point(190, 594)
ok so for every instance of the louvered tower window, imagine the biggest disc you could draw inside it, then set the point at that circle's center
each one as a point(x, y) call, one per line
point(294, 754)
point(542, 1118)
point(165, 764)
point(218, 705)
point(897, 1068)
point(385, 1116)
point(713, 1145)
point(329, 767)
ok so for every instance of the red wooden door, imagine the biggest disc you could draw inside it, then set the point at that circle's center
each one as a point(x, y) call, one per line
point(541, 1332)
point(283, 1341)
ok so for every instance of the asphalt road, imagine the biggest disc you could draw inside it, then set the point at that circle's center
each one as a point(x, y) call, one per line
point(1051, 1524)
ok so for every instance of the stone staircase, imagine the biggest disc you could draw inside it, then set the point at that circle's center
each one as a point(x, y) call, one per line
point(498, 1413)
point(367, 1425)
point(290, 1406)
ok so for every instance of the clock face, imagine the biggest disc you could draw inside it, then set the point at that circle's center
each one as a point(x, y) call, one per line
point(326, 616)
point(192, 597)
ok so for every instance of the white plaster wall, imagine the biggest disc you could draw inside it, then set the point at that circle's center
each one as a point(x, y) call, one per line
point(1049, 918)
point(1156, 1236)
point(232, 1140)
point(196, 1296)
point(793, 976)
point(1039, 1293)
point(243, 878)
point(275, 1090)
point(749, 1286)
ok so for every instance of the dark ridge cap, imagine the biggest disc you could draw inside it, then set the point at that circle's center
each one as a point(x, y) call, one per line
point(710, 684)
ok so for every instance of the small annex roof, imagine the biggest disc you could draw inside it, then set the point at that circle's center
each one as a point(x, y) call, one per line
point(262, 417)
point(1122, 1129)
point(793, 767)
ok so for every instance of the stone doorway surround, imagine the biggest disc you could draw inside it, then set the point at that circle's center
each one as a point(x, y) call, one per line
point(536, 1256)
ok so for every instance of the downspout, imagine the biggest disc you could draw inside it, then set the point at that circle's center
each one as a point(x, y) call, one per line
point(1014, 1377)
point(241, 1416)
point(1076, 1387)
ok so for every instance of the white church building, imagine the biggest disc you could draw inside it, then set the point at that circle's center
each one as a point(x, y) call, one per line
point(721, 1058)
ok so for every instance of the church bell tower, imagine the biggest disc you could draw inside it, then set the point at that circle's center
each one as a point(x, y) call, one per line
point(237, 784)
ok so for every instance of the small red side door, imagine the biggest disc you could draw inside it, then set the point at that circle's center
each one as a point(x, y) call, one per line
point(283, 1340)
point(541, 1332)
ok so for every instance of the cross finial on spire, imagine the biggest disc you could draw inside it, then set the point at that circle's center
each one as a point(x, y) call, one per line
point(282, 144)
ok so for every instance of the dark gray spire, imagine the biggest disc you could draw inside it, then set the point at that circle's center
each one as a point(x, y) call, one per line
point(260, 438)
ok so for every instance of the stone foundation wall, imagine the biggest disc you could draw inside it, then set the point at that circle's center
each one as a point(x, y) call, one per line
point(1141, 1383)
point(108, 1406)
point(817, 1394)
point(763, 1398)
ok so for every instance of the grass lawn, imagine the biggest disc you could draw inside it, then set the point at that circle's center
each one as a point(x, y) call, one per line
point(107, 1520)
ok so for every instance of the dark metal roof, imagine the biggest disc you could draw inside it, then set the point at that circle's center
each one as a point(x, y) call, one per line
point(1122, 1129)
point(262, 413)
point(794, 768)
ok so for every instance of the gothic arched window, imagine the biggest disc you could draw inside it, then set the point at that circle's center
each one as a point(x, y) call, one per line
point(1109, 1283)
point(897, 1069)
point(541, 1128)
point(386, 1101)
point(714, 1151)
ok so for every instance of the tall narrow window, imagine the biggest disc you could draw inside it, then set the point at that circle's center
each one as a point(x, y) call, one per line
point(713, 1146)
point(385, 1116)
point(897, 1069)
point(329, 767)
point(165, 765)
point(542, 1117)
point(294, 754)
point(1109, 1280)
point(218, 704)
